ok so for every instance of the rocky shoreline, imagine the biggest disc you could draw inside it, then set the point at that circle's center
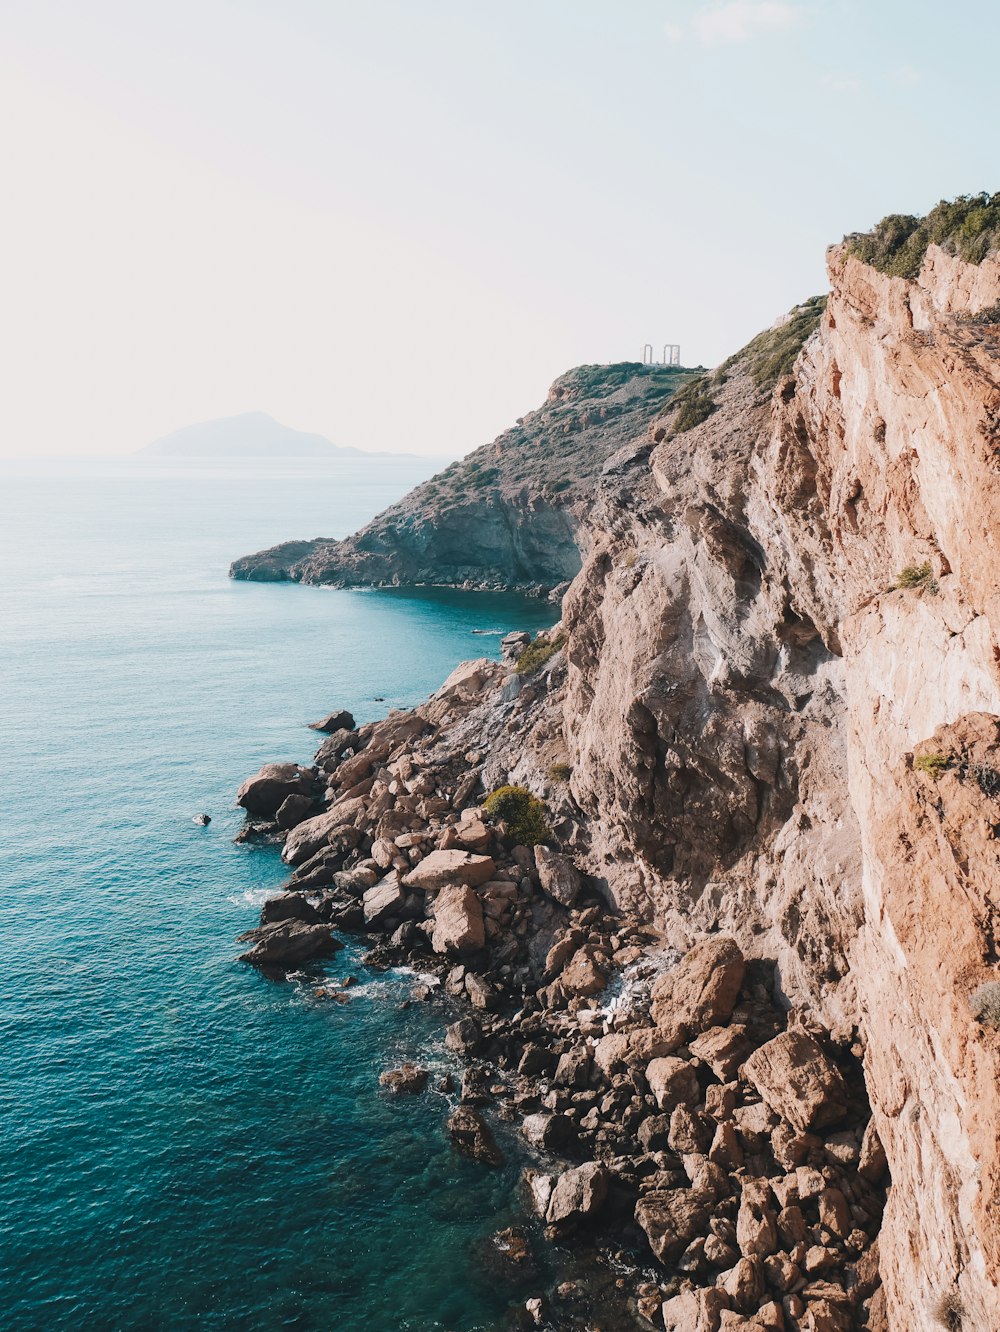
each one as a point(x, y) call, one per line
point(705, 1153)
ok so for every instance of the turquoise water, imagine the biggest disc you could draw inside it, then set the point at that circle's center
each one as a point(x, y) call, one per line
point(185, 1143)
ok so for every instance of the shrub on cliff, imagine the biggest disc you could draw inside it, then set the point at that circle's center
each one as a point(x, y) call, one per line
point(985, 1004)
point(694, 404)
point(559, 772)
point(536, 654)
point(524, 814)
point(968, 226)
point(771, 354)
point(932, 764)
point(917, 577)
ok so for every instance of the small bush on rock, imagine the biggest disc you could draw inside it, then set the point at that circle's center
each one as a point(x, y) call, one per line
point(932, 764)
point(916, 576)
point(985, 1004)
point(523, 813)
point(694, 404)
point(559, 772)
point(536, 654)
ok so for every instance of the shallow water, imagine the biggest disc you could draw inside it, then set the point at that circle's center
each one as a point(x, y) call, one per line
point(186, 1143)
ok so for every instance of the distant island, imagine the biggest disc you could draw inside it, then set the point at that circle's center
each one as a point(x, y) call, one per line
point(250, 435)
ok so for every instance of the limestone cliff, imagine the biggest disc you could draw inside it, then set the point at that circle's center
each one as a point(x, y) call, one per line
point(774, 732)
point(509, 514)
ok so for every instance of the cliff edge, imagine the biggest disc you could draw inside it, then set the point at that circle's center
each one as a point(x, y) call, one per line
point(509, 514)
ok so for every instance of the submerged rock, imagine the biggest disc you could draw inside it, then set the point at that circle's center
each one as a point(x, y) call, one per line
point(409, 1079)
point(471, 1135)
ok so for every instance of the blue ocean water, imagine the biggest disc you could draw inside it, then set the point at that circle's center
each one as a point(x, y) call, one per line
point(187, 1144)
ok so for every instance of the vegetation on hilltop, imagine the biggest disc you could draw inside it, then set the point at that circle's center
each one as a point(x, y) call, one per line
point(560, 448)
point(968, 226)
point(771, 354)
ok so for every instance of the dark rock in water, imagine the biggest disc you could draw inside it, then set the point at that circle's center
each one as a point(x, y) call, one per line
point(335, 721)
point(267, 790)
point(471, 1135)
point(286, 942)
point(289, 906)
point(507, 1255)
point(408, 1079)
point(202, 820)
point(292, 810)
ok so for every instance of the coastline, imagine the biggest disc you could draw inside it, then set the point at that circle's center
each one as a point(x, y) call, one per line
point(670, 1177)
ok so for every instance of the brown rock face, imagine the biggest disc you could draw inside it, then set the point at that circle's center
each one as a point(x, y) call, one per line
point(798, 1081)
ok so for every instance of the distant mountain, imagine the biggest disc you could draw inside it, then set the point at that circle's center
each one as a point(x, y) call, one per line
point(251, 435)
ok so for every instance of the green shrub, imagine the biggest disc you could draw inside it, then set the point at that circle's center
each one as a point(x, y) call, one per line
point(693, 403)
point(932, 764)
point(536, 654)
point(559, 772)
point(523, 813)
point(771, 354)
point(985, 1004)
point(919, 576)
point(968, 226)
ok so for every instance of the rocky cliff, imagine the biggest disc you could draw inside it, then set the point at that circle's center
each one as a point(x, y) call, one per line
point(795, 737)
point(509, 514)
point(775, 692)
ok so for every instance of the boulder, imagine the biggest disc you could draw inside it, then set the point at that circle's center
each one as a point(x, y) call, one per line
point(471, 1135)
point(671, 1219)
point(330, 752)
point(293, 810)
point(408, 1079)
point(672, 1082)
point(463, 1037)
point(695, 1310)
point(287, 942)
point(701, 991)
point(557, 875)
point(722, 1049)
point(550, 1133)
point(578, 1193)
point(337, 824)
point(798, 1080)
point(458, 920)
point(334, 721)
point(513, 644)
point(620, 1048)
point(573, 1068)
point(266, 791)
point(289, 906)
point(382, 900)
point(443, 868)
point(581, 975)
point(473, 835)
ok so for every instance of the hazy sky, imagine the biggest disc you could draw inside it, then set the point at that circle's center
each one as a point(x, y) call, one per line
point(396, 223)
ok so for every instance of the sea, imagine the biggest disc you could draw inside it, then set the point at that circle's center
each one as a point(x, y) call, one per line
point(187, 1143)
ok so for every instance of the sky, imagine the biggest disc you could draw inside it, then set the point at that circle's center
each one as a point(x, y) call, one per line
point(396, 223)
